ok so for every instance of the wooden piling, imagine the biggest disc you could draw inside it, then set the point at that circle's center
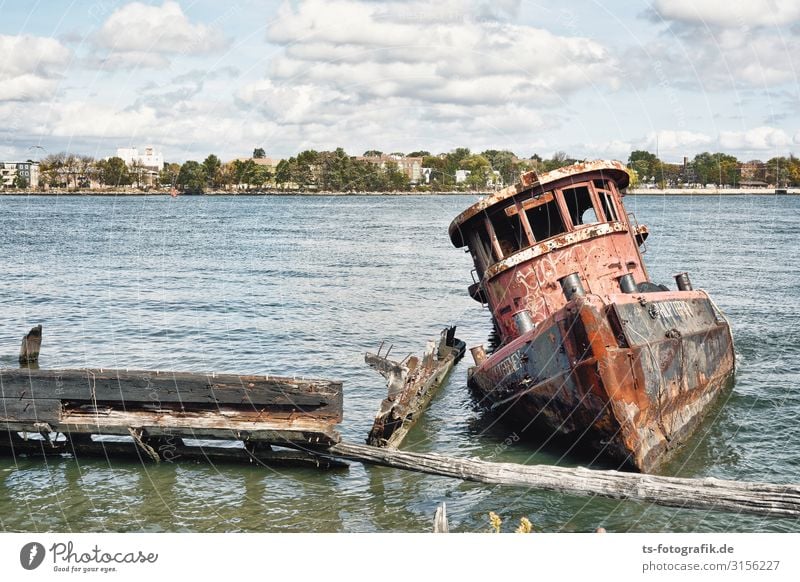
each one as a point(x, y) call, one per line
point(29, 350)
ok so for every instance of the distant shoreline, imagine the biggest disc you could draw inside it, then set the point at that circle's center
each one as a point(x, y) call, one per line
point(288, 193)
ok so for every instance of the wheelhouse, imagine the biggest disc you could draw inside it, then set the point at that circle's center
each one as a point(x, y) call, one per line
point(527, 239)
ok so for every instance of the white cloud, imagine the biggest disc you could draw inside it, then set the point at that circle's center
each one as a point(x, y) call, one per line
point(140, 35)
point(30, 66)
point(371, 49)
point(729, 13)
point(758, 138)
point(410, 72)
point(676, 141)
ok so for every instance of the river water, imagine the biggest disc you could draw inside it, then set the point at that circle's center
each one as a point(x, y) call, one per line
point(306, 285)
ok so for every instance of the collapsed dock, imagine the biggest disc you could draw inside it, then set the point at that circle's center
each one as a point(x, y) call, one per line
point(166, 416)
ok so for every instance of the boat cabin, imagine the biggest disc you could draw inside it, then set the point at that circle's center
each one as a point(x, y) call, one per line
point(551, 236)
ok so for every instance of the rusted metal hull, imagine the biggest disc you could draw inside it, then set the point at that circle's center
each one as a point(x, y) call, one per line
point(631, 375)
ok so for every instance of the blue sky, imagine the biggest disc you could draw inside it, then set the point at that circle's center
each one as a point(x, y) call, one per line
point(592, 78)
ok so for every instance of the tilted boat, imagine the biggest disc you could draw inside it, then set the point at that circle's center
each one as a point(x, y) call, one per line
point(589, 347)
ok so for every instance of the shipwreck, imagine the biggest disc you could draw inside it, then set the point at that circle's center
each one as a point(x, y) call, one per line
point(589, 347)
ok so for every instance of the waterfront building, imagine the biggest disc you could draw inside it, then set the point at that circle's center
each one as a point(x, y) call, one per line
point(410, 166)
point(14, 173)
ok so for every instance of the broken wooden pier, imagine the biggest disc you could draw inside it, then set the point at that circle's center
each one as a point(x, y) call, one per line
point(164, 416)
point(159, 415)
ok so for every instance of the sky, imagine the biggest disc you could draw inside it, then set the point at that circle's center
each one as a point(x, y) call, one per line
point(593, 78)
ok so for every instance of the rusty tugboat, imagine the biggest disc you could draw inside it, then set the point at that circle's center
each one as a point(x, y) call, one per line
point(589, 347)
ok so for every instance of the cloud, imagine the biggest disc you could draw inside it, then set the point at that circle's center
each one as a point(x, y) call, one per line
point(676, 141)
point(30, 67)
point(717, 55)
point(758, 138)
point(410, 72)
point(729, 13)
point(140, 35)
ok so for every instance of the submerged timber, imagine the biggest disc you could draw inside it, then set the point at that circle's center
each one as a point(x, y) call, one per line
point(590, 348)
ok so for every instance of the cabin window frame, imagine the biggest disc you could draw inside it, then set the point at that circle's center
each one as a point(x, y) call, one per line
point(608, 194)
point(524, 205)
point(593, 197)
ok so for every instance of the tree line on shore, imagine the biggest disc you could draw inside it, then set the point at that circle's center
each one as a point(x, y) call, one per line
point(336, 170)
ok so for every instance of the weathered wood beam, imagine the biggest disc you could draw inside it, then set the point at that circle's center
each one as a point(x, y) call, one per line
point(412, 384)
point(708, 493)
point(321, 398)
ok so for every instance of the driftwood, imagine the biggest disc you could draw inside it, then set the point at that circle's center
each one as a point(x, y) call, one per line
point(412, 383)
point(29, 350)
point(745, 497)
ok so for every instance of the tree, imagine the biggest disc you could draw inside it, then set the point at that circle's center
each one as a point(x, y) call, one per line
point(259, 153)
point(212, 167)
point(169, 174)
point(51, 167)
point(716, 168)
point(559, 160)
point(137, 171)
point(395, 178)
point(283, 172)
point(419, 154)
point(20, 182)
point(114, 172)
point(261, 175)
point(192, 177)
point(373, 154)
point(505, 162)
point(646, 164)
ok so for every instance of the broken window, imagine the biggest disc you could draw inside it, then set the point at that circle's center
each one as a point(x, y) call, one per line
point(545, 219)
point(509, 232)
point(481, 249)
point(606, 200)
point(579, 205)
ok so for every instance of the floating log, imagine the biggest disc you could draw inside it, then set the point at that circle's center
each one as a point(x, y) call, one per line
point(745, 497)
point(147, 406)
point(412, 383)
point(31, 344)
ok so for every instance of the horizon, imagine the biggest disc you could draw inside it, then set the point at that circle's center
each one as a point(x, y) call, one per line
point(597, 80)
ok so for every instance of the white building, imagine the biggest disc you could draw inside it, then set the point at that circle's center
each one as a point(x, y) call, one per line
point(150, 159)
point(12, 173)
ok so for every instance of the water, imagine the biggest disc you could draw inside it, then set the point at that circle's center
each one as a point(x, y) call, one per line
point(306, 285)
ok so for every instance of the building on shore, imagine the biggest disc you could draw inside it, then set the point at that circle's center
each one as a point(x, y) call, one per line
point(411, 167)
point(144, 165)
point(19, 174)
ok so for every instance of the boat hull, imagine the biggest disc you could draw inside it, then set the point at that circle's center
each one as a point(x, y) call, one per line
point(630, 376)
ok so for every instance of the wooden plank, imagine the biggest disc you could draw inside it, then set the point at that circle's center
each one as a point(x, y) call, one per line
point(206, 424)
point(412, 384)
point(322, 398)
point(739, 496)
point(30, 410)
